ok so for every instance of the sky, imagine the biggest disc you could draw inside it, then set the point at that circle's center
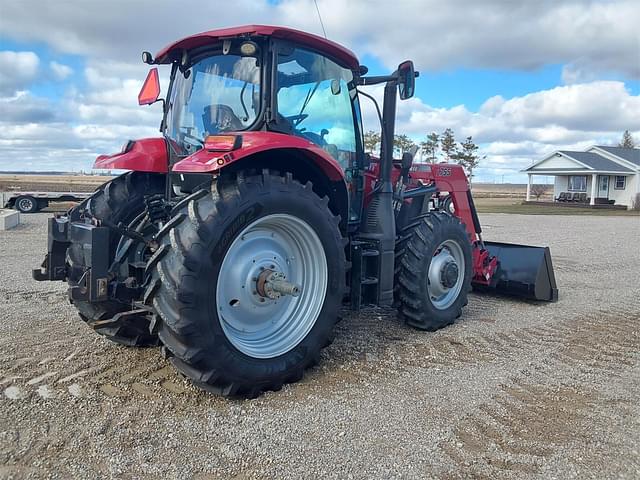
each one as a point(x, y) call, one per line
point(522, 78)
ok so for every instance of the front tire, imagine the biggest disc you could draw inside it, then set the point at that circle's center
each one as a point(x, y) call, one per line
point(434, 274)
point(207, 286)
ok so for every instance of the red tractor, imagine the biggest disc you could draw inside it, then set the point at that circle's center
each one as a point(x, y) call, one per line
point(238, 234)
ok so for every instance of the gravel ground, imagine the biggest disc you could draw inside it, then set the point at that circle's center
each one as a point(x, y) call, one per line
point(512, 390)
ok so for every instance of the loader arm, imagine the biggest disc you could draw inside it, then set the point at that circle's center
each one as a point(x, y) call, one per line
point(519, 270)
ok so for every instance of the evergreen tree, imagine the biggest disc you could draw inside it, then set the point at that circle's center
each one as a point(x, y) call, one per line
point(402, 143)
point(371, 142)
point(467, 156)
point(448, 144)
point(430, 147)
point(627, 140)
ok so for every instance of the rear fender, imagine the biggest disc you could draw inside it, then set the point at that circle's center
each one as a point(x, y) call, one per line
point(144, 155)
point(208, 161)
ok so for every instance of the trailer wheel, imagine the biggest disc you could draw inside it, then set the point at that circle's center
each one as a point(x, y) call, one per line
point(434, 274)
point(120, 200)
point(247, 283)
point(26, 204)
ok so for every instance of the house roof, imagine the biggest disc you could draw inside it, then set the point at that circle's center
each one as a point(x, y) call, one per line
point(586, 162)
point(596, 162)
point(629, 154)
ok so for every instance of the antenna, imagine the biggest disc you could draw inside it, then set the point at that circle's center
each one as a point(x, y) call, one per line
point(320, 17)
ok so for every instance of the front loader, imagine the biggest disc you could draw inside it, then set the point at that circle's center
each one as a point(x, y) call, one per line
point(235, 237)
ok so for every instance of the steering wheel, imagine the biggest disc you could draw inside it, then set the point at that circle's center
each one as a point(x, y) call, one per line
point(315, 138)
point(220, 118)
point(297, 119)
point(187, 134)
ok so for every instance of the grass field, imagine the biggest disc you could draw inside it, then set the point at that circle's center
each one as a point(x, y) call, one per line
point(489, 198)
point(514, 205)
point(51, 183)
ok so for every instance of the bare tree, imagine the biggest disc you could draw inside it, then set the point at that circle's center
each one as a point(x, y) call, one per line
point(538, 190)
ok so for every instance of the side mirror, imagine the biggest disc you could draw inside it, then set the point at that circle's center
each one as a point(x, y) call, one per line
point(406, 80)
point(335, 87)
point(147, 58)
point(150, 90)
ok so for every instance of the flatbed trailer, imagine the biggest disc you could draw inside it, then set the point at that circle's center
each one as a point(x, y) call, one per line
point(32, 202)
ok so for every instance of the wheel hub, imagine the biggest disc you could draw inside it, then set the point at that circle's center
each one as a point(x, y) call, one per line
point(446, 274)
point(273, 285)
point(25, 204)
point(449, 275)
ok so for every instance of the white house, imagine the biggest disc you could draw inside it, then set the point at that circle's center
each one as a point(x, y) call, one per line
point(606, 175)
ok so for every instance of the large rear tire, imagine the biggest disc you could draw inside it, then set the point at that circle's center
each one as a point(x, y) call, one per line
point(119, 201)
point(208, 277)
point(433, 272)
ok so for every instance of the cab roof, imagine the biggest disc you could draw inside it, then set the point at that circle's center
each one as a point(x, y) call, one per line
point(332, 49)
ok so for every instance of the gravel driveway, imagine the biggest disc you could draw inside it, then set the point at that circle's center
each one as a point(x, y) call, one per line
point(512, 390)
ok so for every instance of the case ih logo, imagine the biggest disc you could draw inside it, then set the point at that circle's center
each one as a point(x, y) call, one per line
point(444, 171)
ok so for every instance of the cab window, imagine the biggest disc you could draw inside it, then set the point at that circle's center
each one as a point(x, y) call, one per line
point(316, 99)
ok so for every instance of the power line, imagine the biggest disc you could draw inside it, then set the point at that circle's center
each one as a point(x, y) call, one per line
point(320, 17)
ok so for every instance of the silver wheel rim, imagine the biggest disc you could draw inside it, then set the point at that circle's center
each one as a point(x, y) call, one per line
point(25, 204)
point(259, 326)
point(442, 297)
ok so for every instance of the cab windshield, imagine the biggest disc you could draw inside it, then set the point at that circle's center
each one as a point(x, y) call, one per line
point(218, 94)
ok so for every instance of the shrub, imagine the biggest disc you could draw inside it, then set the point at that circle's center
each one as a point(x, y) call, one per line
point(538, 190)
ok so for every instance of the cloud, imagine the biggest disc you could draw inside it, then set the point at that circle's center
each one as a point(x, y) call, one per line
point(516, 131)
point(57, 146)
point(561, 114)
point(601, 36)
point(597, 36)
point(512, 132)
point(17, 70)
point(25, 108)
point(593, 41)
point(60, 71)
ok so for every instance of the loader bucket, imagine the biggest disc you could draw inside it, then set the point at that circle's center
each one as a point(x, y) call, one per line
point(523, 271)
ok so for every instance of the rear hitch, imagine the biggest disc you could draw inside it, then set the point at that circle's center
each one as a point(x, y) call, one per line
point(94, 243)
point(54, 266)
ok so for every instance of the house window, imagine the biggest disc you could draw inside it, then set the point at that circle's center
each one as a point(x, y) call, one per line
point(578, 183)
point(620, 183)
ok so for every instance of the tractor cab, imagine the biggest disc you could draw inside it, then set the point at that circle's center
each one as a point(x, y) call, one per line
point(261, 79)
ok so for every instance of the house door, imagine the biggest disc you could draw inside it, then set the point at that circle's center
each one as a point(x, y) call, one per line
point(603, 186)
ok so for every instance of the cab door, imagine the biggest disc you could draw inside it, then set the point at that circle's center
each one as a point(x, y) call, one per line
point(316, 99)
